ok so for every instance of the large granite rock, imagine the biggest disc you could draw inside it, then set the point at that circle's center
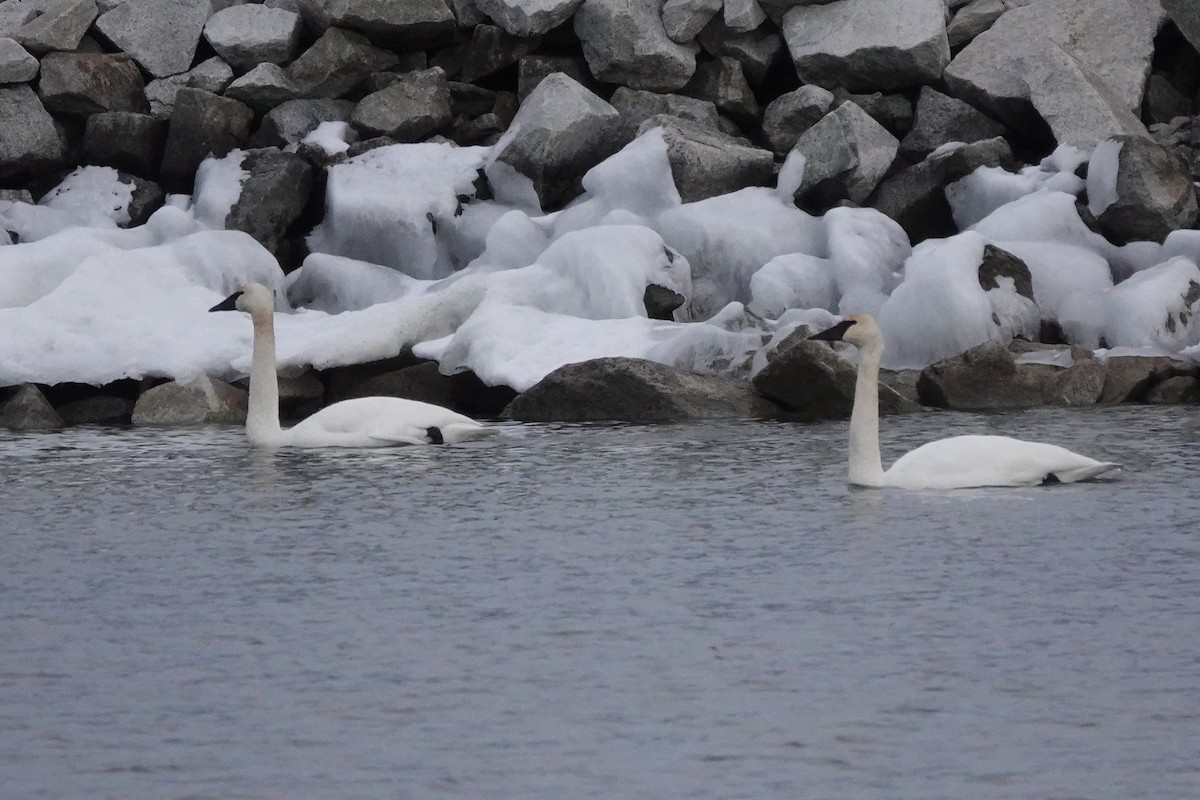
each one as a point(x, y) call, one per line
point(16, 64)
point(723, 83)
point(252, 34)
point(624, 42)
point(412, 108)
point(634, 390)
point(101, 409)
point(161, 35)
point(28, 410)
point(940, 119)
point(561, 131)
point(126, 140)
point(983, 378)
point(1153, 193)
point(90, 83)
point(973, 19)
point(60, 27)
point(791, 114)
point(683, 19)
point(810, 379)
point(263, 88)
point(211, 75)
point(204, 124)
point(757, 50)
point(408, 25)
point(337, 62)
point(846, 154)
point(528, 17)
point(864, 45)
point(637, 105)
point(533, 69)
point(272, 196)
point(289, 122)
point(706, 162)
point(1128, 378)
point(203, 400)
point(29, 142)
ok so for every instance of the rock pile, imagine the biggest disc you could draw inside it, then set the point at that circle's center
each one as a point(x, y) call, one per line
point(889, 103)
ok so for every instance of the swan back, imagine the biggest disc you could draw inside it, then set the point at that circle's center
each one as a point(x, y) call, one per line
point(967, 461)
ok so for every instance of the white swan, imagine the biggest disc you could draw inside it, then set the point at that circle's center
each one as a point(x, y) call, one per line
point(958, 462)
point(360, 422)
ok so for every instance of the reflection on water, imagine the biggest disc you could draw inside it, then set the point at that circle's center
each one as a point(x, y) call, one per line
point(597, 611)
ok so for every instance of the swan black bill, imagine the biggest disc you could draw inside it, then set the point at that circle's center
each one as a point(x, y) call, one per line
point(434, 435)
point(228, 304)
point(835, 333)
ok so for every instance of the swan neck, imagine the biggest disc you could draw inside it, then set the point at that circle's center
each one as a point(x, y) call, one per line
point(866, 466)
point(262, 418)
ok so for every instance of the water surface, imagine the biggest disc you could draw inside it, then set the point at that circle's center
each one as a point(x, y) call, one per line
point(692, 611)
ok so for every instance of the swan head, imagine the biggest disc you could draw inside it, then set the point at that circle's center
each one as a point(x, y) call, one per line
point(252, 298)
point(859, 330)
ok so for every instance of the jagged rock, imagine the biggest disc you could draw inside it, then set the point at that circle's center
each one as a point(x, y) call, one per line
point(16, 64)
point(661, 302)
point(683, 19)
point(212, 75)
point(14, 15)
point(998, 263)
point(1153, 192)
point(561, 131)
point(60, 27)
point(291, 121)
point(633, 390)
point(636, 106)
point(706, 162)
point(866, 46)
point(1175, 391)
point(202, 400)
point(1186, 16)
point(528, 17)
point(916, 197)
point(103, 409)
point(757, 51)
point(984, 377)
point(410, 109)
point(1080, 384)
point(337, 62)
point(791, 114)
point(272, 196)
point(409, 25)
point(161, 35)
point(203, 125)
point(88, 83)
point(743, 15)
point(28, 410)
point(624, 42)
point(1128, 378)
point(263, 88)
point(809, 378)
point(893, 111)
point(251, 34)
point(973, 19)
point(940, 119)
point(491, 50)
point(29, 142)
point(532, 69)
point(146, 198)
point(847, 153)
point(1108, 43)
point(723, 83)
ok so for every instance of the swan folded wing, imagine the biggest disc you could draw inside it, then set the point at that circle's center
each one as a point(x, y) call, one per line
point(967, 461)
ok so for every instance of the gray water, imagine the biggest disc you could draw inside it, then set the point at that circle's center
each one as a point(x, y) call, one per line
point(696, 611)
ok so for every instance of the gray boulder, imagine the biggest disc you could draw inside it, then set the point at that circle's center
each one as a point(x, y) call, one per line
point(893, 111)
point(916, 197)
point(161, 35)
point(624, 42)
point(757, 51)
point(863, 45)
point(272, 196)
point(983, 378)
point(528, 17)
point(561, 131)
point(706, 162)
point(263, 88)
point(1186, 16)
point(1111, 43)
point(1175, 391)
point(723, 83)
point(1154, 193)
point(410, 109)
point(204, 124)
point(1127, 379)
point(101, 409)
point(791, 114)
point(743, 15)
point(634, 390)
point(16, 64)
point(60, 27)
point(28, 410)
point(940, 119)
point(291, 121)
point(202, 400)
point(251, 34)
point(212, 75)
point(996, 264)
point(532, 69)
point(683, 19)
point(637, 105)
point(810, 379)
point(29, 142)
point(973, 19)
point(338, 62)
point(89, 83)
point(847, 153)
point(408, 25)
point(146, 198)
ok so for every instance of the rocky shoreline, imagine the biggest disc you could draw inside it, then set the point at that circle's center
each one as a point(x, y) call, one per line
point(889, 105)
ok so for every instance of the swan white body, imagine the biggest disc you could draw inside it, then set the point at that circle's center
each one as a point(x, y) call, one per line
point(361, 422)
point(958, 462)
